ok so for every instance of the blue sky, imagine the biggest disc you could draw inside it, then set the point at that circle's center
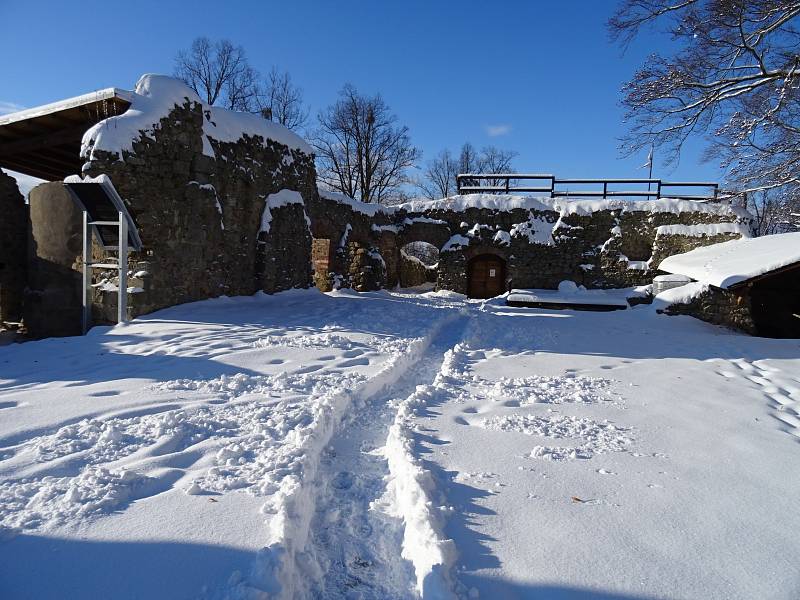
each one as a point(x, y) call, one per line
point(540, 78)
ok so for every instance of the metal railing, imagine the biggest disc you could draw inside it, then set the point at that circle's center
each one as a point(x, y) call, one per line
point(469, 183)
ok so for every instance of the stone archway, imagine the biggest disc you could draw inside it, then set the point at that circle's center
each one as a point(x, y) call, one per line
point(486, 276)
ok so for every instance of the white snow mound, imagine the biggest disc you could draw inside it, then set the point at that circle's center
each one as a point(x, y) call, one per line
point(153, 99)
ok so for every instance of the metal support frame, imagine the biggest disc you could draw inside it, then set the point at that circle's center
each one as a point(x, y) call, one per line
point(121, 266)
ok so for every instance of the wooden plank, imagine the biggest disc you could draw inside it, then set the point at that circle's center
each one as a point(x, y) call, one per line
point(42, 141)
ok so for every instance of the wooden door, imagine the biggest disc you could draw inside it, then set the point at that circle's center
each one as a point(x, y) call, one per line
point(486, 276)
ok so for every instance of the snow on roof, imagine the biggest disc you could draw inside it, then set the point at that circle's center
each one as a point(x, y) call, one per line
point(46, 109)
point(153, 99)
point(566, 207)
point(726, 264)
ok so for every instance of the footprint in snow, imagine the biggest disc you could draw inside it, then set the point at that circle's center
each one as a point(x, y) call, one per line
point(343, 480)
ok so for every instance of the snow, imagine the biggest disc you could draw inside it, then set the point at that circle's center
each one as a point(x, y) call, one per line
point(682, 294)
point(45, 109)
point(708, 229)
point(537, 229)
point(392, 445)
point(25, 183)
point(367, 208)
point(455, 242)
point(565, 207)
point(153, 99)
point(569, 293)
point(277, 200)
point(726, 264)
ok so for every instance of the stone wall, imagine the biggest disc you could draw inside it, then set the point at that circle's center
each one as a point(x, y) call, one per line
point(53, 298)
point(597, 248)
point(413, 272)
point(720, 307)
point(199, 216)
point(13, 263)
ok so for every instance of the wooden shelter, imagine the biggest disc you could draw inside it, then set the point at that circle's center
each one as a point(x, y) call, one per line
point(45, 141)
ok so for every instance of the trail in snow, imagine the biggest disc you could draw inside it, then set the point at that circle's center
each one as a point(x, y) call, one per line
point(316, 445)
point(355, 543)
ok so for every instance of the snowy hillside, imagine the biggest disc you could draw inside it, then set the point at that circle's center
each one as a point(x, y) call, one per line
point(392, 445)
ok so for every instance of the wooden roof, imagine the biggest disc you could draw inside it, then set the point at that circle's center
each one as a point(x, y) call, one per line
point(45, 141)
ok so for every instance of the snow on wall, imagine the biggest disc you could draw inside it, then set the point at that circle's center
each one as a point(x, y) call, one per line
point(367, 208)
point(277, 200)
point(536, 229)
point(723, 265)
point(153, 99)
point(565, 207)
point(683, 294)
point(455, 242)
point(709, 229)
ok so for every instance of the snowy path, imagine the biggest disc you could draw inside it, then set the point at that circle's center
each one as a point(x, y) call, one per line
point(356, 544)
point(393, 445)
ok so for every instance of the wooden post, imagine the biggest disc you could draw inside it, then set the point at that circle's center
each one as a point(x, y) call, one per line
point(122, 300)
point(86, 314)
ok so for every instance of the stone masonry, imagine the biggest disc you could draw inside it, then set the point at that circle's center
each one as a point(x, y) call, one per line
point(720, 307)
point(199, 217)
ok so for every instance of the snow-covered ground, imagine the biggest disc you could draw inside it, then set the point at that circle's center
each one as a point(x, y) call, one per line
point(386, 445)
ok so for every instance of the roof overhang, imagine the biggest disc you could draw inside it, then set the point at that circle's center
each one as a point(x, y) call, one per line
point(45, 141)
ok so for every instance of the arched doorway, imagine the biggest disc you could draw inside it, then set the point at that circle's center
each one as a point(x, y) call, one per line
point(486, 276)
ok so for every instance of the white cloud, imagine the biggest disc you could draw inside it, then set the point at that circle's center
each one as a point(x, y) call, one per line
point(9, 107)
point(497, 130)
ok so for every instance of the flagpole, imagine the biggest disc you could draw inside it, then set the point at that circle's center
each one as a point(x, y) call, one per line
point(650, 176)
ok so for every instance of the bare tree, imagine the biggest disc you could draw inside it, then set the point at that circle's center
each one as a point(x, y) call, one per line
point(220, 74)
point(735, 75)
point(441, 173)
point(440, 176)
point(282, 101)
point(495, 160)
point(771, 213)
point(361, 152)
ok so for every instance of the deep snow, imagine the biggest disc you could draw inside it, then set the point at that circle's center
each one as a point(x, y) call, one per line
point(385, 444)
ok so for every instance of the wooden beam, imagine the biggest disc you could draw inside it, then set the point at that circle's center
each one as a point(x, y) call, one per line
point(43, 141)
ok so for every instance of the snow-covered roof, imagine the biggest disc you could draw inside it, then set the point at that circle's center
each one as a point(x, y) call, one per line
point(61, 105)
point(566, 207)
point(153, 99)
point(730, 263)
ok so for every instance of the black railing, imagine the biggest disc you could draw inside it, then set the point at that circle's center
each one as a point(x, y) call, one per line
point(469, 183)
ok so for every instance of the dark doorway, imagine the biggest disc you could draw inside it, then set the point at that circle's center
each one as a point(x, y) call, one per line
point(486, 276)
point(775, 304)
